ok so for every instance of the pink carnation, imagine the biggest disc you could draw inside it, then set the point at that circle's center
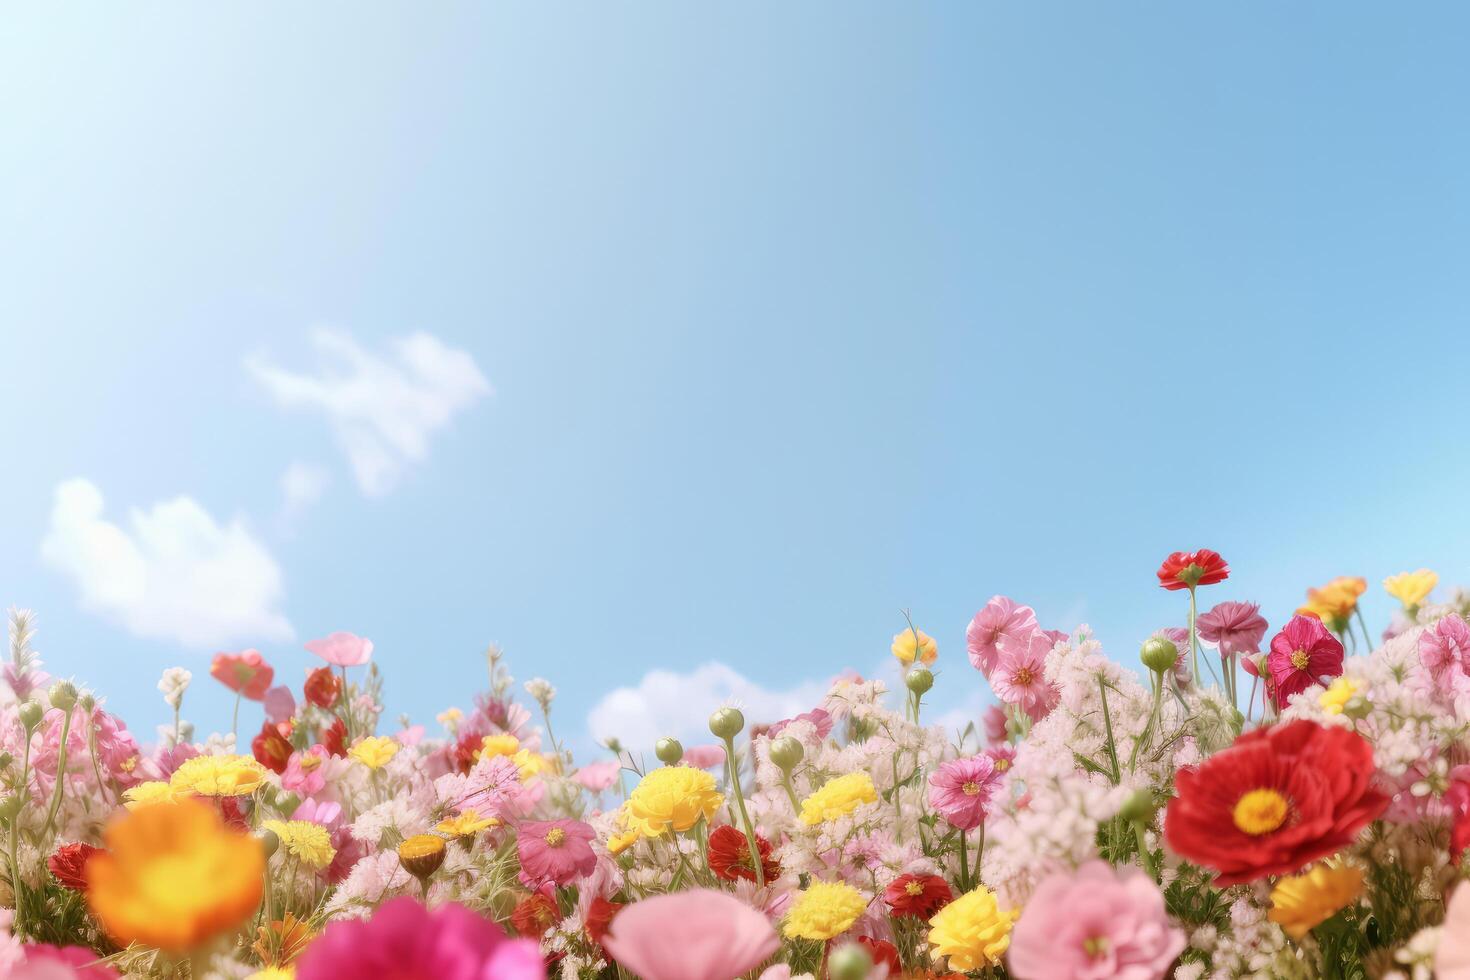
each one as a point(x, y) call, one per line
point(960, 790)
point(1001, 619)
point(1233, 627)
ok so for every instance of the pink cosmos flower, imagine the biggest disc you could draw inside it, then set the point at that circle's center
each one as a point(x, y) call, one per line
point(554, 851)
point(994, 721)
point(342, 649)
point(1002, 757)
point(598, 776)
point(406, 941)
point(1302, 654)
point(704, 756)
point(1093, 924)
point(1001, 618)
point(1444, 647)
point(1019, 674)
point(1233, 627)
point(960, 790)
point(1452, 959)
point(691, 935)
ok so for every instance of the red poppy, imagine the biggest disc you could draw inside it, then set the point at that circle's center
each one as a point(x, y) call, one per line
point(272, 747)
point(247, 673)
point(322, 687)
point(882, 953)
point(534, 914)
point(1278, 799)
point(232, 811)
point(1302, 654)
point(334, 739)
point(69, 865)
point(599, 916)
point(919, 896)
point(729, 855)
point(1187, 569)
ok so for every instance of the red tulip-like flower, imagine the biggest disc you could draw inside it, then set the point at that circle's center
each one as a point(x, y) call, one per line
point(1188, 569)
point(729, 855)
point(1275, 801)
point(599, 915)
point(69, 865)
point(882, 953)
point(534, 914)
point(334, 739)
point(245, 673)
point(1302, 654)
point(323, 687)
point(919, 896)
point(272, 747)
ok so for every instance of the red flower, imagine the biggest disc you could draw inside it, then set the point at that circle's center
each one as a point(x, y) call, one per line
point(334, 739)
point(1185, 570)
point(534, 914)
point(272, 747)
point(1278, 799)
point(322, 687)
point(917, 895)
point(729, 855)
point(1302, 654)
point(882, 953)
point(599, 916)
point(69, 865)
point(232, 811)
point(247, 673)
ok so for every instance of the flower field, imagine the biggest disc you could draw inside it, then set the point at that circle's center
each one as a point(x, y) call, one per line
point(1248, 799)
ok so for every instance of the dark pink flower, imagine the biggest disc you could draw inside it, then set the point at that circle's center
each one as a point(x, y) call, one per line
point(960, 790)
point(554, 851)
point(1233, 627)
point(1001, 618)
point(1302, 654)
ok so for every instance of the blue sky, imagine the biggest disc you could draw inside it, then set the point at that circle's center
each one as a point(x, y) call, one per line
point(761, 323)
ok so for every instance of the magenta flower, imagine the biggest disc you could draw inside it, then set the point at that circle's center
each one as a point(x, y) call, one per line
point(960, 790)
point(1444, 647)
point(1302, 654)
point(1019, 675)
point(1093, 924)
point(342, 649)
point(1001, 618)
point(554, 851)
point(690, 935)
point(47, 962)
point(1233, 627)
point(406, 941)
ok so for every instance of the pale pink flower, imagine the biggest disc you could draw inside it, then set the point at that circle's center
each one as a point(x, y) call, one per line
point(1232, 627)
point(704, 756)
point(691, 935)
point(342, 649)
point(1019, 675)
point(1093, 924)
point(994, 720)
point(598, 776)
point(1001, 619)
point(1445, 647)
point(820, 718)
point(1452, 959)
point(306, 772)
point(280, 704)
point(960, 790)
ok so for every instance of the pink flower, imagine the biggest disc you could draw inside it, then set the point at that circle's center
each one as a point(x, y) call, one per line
point(280, 704)
point(46, 962)
point(1445, 647)
point(406, 941)
point(1094, 924)
point(1019, 675)
point(598, 776)
point(994, 720)
point(1003, 757)
point(554, 851)
point(342, 649)
point(820, 718)
point(1233, 627)
point(1001, 618)
point(305, 773)
point(704, 756)
point(1302, 654)
point(691, 935)
point(960, 790)
point(246, 673)
point(1452, 960)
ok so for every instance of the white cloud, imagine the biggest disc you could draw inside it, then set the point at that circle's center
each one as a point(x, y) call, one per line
point(382, 409)
point(302, 484)
point(173, 573)
point(669, 703)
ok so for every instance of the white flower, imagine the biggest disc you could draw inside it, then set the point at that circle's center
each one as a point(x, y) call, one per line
point(173, 684)
point(541, 690)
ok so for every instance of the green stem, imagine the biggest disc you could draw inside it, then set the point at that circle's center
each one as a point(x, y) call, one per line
point(1363, 623)
point(964, 862)
point(755, 854)
point(1143, 852)
point(1193, 641)
point(235, 720)
point(791, 793)
point(1148, 728)
point(1108, 724)
point(980, 851)
point(60, 773)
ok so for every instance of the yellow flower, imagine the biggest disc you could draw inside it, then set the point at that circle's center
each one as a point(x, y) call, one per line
point(972, 931)
point(306, 841)
point(823, 910)
point(838, 797)
point(218, 775)
point(1334, 602)
point(906, 645)
point(618, 843)
point(493, 745)
point(1338, 694)
point(1411, 588)
point(450, 717)
point(274, 973)
point(146, 794)
point(421, 855)
point(465, 824)
point(671, 798)
point(1301, 902)
point(280, 942)
point(174, 877)
point(374, 751)
point(529, 763)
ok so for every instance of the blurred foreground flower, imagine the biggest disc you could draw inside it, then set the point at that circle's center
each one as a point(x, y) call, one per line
point(693, 935)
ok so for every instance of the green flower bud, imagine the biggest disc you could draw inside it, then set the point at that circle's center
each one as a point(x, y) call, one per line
point(63, 695)
point(726, 723)
point(1139, 808)
point(919, 680)
point(31, 713)
point(88, 701)
point(849, 962)
point(269, 842)
point(6, 760)
point(10, 807)
point(669, 751)
point(1159, 654)
point(786, 752)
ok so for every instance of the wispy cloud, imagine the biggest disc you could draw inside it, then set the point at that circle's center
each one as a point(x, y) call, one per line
point(173, 572)
point(382, 408)
point(302, 484)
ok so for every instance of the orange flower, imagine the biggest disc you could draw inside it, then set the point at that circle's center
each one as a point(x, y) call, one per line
point(173, 876)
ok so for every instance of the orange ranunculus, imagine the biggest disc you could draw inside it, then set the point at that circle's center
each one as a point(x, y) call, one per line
point(174, 876)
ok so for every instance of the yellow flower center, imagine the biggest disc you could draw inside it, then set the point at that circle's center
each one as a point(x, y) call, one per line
point(1023, 677)
point(1299, 659)
point(1002, 764)
point(1095, 946)
point(555, 836)
point(1261, 811)
point(310, 762)
point(130, 763)
point(971, 788)
point(914, 888)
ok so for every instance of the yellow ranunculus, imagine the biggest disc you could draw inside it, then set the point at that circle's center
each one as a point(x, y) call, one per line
point(907, 646)
point(838, 797)
point(823, 910)
point(1300, 903)
point(493, 745)
point(671, 798)
point(308, 842)
point(1338, 694)
point(146, 794)
point(1411, 588)
point(972, 931)
point(374, 751)
point(218, 775)
point(465, 824)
